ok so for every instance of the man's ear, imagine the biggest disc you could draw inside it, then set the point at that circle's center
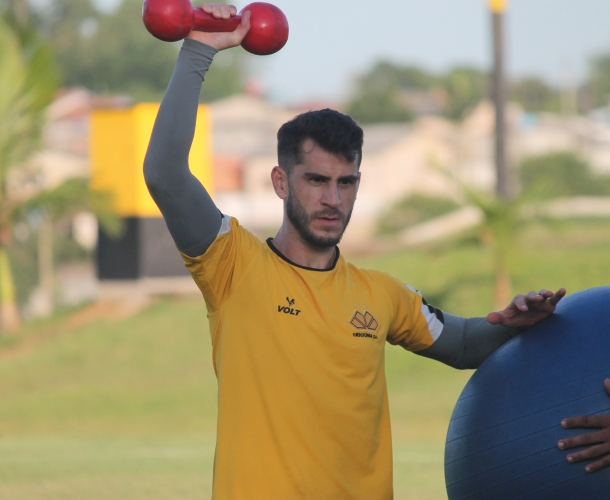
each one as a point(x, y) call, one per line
point(279, 179)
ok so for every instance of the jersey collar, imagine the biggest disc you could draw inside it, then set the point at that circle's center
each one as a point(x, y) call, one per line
point(283, 257)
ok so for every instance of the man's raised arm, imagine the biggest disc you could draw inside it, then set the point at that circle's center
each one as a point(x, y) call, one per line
point(190, 214)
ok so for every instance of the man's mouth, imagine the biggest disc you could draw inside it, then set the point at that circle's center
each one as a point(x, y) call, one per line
point(328, 216)
point(329, 222)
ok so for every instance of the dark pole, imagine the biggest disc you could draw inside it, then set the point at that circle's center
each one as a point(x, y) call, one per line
point(499, 96)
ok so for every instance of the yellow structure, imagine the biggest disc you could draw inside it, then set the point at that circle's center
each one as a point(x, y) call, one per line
point(119, 139)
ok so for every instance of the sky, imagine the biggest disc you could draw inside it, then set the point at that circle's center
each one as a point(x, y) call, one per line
point(333, 41)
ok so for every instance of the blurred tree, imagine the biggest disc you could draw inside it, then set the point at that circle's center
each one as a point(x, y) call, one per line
point(114, 53)
point(377, 94)
point(379, 106)
point(62, 21)
point(466, 87)
point(28, 79)
point(385, 73)
point(534, 95)
point(389, 93)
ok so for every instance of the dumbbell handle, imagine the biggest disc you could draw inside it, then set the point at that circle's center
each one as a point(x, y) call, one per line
point(202, 21)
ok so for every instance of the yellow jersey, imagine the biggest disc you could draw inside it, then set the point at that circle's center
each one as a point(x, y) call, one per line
point(299, 356)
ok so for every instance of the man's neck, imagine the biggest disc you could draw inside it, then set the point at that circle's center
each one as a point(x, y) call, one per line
point(291, 246)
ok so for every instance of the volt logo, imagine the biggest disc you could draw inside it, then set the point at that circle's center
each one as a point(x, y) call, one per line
point(289, 309)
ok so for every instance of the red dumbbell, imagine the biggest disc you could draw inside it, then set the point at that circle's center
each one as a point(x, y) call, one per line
point(172, 20)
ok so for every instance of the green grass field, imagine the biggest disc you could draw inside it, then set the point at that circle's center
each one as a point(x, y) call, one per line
point(124, 408)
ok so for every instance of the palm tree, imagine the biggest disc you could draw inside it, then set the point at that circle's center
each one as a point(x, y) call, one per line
point(499, 227)
point(29, 80)
point(500, 223)
point(64, 201)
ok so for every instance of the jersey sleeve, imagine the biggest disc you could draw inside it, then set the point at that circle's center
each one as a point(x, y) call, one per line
point(218, 271)
point(416, 324)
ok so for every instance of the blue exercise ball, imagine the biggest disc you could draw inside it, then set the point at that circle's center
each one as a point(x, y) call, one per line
point(502, 438)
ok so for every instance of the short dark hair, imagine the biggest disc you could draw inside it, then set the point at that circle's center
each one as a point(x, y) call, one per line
point(332, 131)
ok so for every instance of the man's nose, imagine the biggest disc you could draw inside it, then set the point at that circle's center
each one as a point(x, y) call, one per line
point(331, 196)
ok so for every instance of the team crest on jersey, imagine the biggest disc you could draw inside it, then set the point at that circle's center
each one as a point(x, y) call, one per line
point(364, 321)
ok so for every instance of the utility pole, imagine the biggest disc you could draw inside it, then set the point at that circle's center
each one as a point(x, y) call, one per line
point(503, 189)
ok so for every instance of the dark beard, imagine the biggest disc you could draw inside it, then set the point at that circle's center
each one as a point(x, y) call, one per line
point(300, 220)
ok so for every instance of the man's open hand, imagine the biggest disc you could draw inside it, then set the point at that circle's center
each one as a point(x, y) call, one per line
point(222, 41)
point(527, 310)
point(599, 439)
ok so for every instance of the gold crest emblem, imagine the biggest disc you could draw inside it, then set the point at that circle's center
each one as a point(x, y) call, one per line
point(364, 321)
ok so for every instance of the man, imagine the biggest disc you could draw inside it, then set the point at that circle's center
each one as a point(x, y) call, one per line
point(298, 333)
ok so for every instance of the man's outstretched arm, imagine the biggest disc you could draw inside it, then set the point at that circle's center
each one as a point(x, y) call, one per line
point(190, 214)
point(467, 342)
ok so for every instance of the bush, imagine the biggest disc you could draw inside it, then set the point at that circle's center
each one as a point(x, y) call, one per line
point(558, 174)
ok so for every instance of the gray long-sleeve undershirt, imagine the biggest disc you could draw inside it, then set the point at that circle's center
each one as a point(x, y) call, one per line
point(194, 221)
point(467, 342)
point(190, 214)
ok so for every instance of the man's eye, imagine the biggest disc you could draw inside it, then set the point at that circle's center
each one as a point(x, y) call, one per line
point(316, 180)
